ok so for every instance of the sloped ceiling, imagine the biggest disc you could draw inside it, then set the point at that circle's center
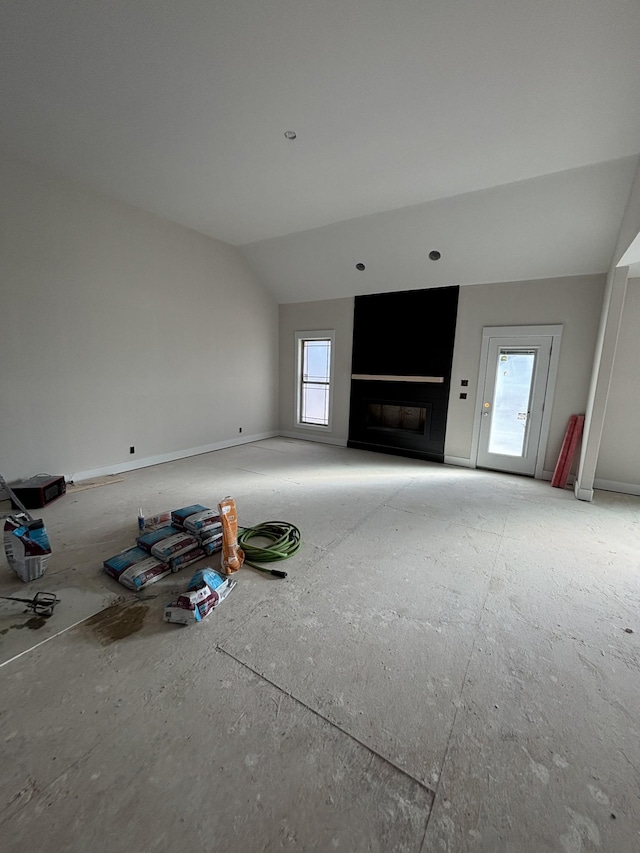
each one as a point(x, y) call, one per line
point(557, 225)
point(446, 113)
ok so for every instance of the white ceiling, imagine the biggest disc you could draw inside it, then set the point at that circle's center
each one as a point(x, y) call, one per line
point(180, 106)
point(558, 225)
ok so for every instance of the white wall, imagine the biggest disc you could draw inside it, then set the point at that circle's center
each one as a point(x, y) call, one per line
point(575, 302)
point(119, 328)
point(619, 456)
point(336, 314)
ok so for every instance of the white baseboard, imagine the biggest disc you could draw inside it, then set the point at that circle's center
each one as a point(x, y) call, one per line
point(613, 486)
point(460, 461)
point(339, 442)
point(147, 462)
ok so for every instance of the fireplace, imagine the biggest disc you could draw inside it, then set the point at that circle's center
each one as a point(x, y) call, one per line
point(407, 417)
point(398, 417)
point(402, 352)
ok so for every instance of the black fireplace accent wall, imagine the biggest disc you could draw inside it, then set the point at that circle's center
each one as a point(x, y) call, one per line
point(401, 371)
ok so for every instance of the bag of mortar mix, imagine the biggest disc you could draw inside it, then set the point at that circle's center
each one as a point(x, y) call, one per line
point(148, 540)
point(174, 545)
point(211, 543)
point(142, 574)
point(201, 521)
point(207, 588)
point(157, 521)
point(186, 559)
point(232, 554)
point(27, 546)
point(117, 564)
point(178, 516)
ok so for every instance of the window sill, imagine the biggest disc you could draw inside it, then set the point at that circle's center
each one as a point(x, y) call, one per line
point(315, 427)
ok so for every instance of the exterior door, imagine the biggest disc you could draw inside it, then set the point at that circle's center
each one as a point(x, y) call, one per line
point(512, 403)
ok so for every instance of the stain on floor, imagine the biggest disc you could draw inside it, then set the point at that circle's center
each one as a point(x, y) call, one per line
point(118, 621)
point(33, 624)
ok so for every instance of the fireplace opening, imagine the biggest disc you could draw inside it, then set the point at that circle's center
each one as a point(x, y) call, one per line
point(394, 417)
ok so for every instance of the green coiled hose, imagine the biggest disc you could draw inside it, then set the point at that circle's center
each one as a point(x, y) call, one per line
point(284, 541)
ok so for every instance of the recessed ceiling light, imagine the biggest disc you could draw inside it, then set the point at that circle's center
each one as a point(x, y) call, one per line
point(435, 255)
point(360, 267)
point(290, 134)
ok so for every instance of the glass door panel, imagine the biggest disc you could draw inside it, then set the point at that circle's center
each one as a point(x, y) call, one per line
point(512, 395)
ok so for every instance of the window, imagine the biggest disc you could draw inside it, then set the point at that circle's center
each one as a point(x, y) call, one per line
point(314, 373)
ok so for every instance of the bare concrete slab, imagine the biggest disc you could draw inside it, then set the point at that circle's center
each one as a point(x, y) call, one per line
point(218, 759)
point(452, 665)
point(379, 641)
point(393, 686)
point(431, 567)
point(21, 629)
point(325, 509)
point(543, 753)
point(436, 495)
point(590, 595)
point(585, 526)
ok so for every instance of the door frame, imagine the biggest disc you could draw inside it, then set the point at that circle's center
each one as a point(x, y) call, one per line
point(523, 332)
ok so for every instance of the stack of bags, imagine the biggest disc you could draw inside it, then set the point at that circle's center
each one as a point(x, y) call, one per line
point(135, 568)
point(203, 523)
point(170, 541)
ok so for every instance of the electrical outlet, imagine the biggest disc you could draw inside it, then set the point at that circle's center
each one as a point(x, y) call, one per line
point(464, 382)
point(132, 449)
point(463, 396)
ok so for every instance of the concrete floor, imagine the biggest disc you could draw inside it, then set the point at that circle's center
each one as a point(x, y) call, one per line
point(446, 668)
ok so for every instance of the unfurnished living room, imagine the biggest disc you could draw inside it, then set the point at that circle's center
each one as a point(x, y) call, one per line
point(319, 411)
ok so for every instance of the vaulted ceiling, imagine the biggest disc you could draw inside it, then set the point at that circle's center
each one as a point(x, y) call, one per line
point(503, 133)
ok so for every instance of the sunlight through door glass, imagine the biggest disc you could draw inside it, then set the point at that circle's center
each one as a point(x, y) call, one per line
point(510, 411)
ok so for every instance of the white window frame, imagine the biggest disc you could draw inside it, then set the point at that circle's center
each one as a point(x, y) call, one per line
point(315, 335)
